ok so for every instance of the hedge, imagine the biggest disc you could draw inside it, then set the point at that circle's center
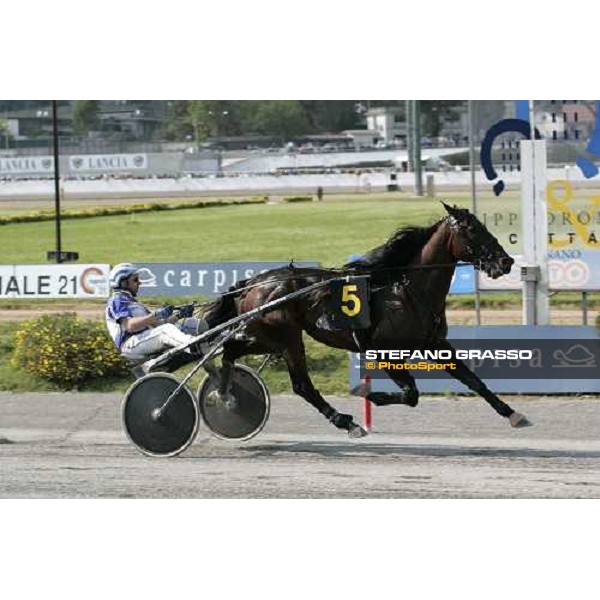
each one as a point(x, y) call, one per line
point(298, 199)
point(49, 215)
point(66, 350)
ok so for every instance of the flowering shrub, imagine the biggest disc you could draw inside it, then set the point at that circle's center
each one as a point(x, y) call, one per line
point(66, 350)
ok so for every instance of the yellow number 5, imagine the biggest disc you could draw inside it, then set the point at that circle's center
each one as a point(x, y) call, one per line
point(349, 296)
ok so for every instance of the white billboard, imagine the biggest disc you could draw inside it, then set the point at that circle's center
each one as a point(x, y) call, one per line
point(26, 164)
point(54, 281)
point(108, 163)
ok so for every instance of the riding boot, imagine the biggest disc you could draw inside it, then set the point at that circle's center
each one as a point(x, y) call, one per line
point(195, 350)
point(175, 362)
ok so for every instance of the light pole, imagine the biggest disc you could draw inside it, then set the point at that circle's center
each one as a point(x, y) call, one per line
point(219, 120)
point(409, 136)
point(5, 129)
point(58, 255)
point(360, 110)
point(416, 113)
point(56, 182)
point(471, 130)
point(224, 114)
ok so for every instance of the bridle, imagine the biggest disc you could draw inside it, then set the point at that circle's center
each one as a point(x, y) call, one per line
point(486, 252)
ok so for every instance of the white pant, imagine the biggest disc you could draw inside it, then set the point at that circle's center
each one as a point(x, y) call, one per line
point(141, 346)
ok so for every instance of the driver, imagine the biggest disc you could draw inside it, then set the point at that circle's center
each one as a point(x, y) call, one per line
point(140, 333)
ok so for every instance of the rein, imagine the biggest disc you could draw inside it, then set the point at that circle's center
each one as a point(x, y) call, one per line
point(348, 273)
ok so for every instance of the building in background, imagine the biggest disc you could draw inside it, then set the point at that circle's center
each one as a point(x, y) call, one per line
point(388, 123)
point(569, 120)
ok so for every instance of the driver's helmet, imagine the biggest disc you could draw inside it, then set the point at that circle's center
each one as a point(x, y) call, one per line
point(120, 272)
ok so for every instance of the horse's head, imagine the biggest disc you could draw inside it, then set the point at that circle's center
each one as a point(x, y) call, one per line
point(472, 242)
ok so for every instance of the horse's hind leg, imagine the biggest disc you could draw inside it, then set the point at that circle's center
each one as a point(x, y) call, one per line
point(409, 394)
point(232, 350)
point(466, 376)
point(302, 385)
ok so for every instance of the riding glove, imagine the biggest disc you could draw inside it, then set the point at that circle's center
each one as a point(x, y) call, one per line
point(162, 314)
point(186, 311)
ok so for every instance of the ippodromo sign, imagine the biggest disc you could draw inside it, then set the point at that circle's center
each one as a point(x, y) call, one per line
point(54, 281)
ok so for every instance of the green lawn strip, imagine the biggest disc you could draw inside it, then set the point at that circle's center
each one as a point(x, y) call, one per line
point(328, 367)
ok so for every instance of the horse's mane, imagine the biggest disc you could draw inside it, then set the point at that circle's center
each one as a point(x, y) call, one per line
point(396, 252)
point(383, 263)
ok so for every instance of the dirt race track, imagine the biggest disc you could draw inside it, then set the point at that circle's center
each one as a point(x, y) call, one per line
point(73, 446)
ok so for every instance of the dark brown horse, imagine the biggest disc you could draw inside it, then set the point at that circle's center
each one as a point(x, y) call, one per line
point(410, 276)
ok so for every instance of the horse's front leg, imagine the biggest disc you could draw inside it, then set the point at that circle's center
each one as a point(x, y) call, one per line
point(472, 381)
point(408, 394)
point(302, 385)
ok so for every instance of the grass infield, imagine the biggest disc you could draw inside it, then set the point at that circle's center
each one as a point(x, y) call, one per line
point(326, 232)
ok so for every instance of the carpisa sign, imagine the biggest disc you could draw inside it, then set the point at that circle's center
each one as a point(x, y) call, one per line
point(207, 279)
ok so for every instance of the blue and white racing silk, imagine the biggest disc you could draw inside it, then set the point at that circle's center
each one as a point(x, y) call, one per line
point(122, 305)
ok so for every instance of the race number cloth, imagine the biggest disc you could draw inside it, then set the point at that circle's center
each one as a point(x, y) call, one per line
point(349, 304)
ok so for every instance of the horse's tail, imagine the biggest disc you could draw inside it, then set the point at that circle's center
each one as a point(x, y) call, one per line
point(224, 307)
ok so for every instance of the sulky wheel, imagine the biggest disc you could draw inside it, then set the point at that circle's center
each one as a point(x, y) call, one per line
point(167, 433)
point(242, 413)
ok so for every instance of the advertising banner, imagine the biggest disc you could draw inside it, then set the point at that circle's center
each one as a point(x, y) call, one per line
point(23, 165)
point(205, 279)
point(95, 163)
point(54, 281)
point(573, 220)
point(108, 163)
point(463, 280)
point(568, 270)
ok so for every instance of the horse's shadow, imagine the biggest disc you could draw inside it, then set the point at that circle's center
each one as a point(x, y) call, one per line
point(342, 450)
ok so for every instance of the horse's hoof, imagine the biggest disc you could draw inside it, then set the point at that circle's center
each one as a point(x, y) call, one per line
point(357, 432)
point(342, 421)
point(518, 420)
point(215, 398)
